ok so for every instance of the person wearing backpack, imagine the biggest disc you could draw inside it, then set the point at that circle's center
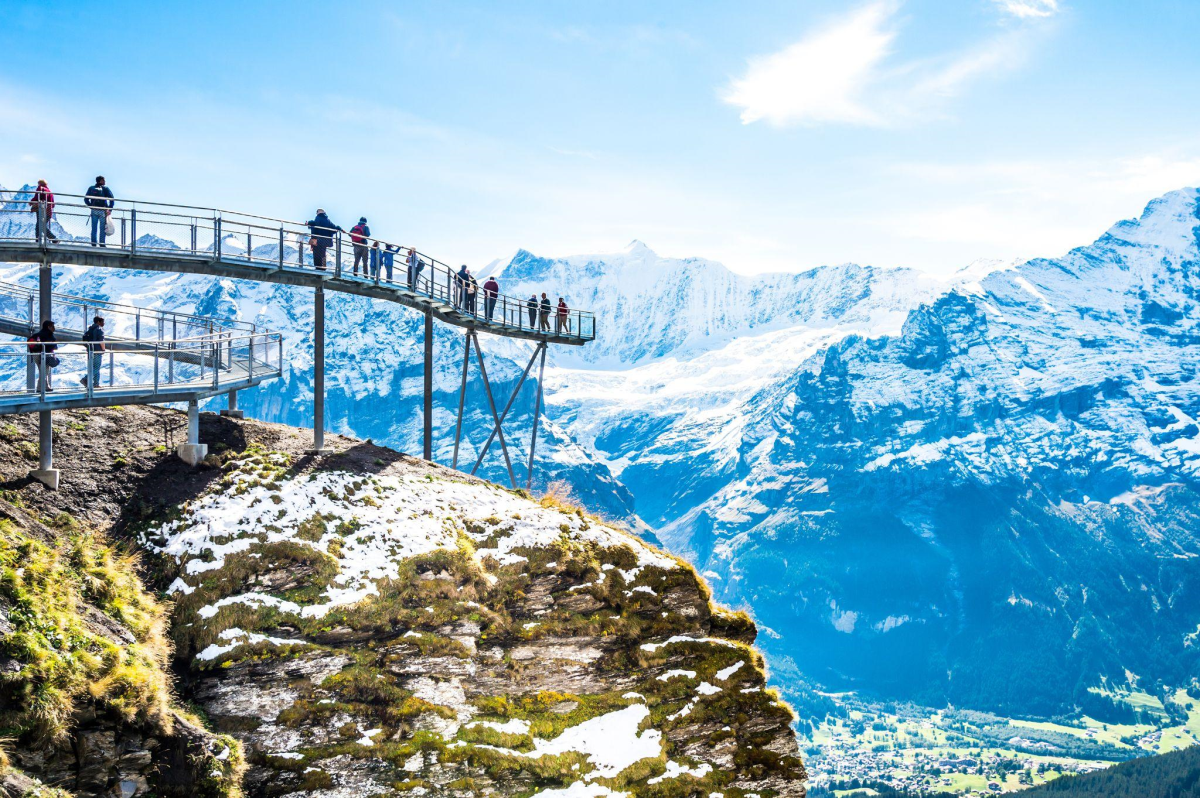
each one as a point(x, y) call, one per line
point(544, 315)
point(93, 338)
point(322, 230)
point(491, 289)
point(359, 234)
point(42, 204)
point(42, 346)
point(99, 198)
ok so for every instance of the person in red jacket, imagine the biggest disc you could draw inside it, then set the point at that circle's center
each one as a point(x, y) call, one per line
point(42, 205)
point(564, 318)
point(491, 289)
point(359, 234)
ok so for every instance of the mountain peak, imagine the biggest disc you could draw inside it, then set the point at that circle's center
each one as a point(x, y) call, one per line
point(637, 247)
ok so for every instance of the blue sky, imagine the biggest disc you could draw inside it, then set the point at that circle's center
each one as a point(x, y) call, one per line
point(766, 135)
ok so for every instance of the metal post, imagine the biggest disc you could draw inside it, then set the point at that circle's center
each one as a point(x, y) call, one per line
point(110, 368)
point(45, 287)
point(192, 452)
point(508, 406)
point(137, 326)
point(462, 396)
point(156, 367)
point(193, 238)
point(216, 238)
point(319, 370)
point(428, 398)
point(281, 247)
point(133, 230)
point(537, 411)
point(512, 478)
point(337, 254)
point(46, 473)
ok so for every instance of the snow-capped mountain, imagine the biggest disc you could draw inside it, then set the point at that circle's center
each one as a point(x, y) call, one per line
point(981, 489)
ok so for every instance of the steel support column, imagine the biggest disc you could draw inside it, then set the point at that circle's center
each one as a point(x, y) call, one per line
point(428, 397)
point(232, 411)
point(46, 473)
point(192, 452)
point(537, 412)
point(462, 398)
point(319, 371)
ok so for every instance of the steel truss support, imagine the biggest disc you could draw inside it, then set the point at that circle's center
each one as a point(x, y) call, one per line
point(428, 403)
point(46, 473)
point(319, 371)
point(497, 431)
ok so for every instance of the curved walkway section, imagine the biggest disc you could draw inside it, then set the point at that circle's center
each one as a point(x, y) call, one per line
point(176, 238)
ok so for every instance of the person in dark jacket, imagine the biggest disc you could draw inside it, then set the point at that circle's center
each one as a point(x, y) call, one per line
point(472, 294)
point(544, 315)
point(531, 305)
point(100, 199)
point(461, 280)
point(563, 321)
point(359, 234)
point(42, 205)
point(323, 230)
point(44, 342)
point(94, 340)
point(491, 290)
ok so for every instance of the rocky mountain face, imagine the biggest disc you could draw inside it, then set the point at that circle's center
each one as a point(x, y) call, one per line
point(367, 624)
point(979, 491)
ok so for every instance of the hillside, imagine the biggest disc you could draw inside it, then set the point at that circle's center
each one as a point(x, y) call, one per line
point(1174, 775)
point(368, 624)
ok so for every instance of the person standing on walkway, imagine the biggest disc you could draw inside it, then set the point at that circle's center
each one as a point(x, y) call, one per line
point(415, 265)
point(322, 229)
point(42, 346)
point(472, 294)
point(461, 280)
point(491, 289)
point(94, 340)
point(99, 198)
point(42, 205)
point(531, 305)
point(359, 234)
point(544, 315)
point(388, 256)
point(564, 317)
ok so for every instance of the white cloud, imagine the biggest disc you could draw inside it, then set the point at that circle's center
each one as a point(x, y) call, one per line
point(820, 78)
point(1029, 9)
point(842, 73)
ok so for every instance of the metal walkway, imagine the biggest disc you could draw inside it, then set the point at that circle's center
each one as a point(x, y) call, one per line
point(227, 356)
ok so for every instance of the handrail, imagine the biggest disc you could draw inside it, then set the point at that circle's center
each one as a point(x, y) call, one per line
point(29, 296)
point(229, 236)
point(204, 365)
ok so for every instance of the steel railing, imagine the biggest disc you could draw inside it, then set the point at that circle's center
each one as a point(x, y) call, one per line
point(155, 228)
point(19, 307)
point(204, 365)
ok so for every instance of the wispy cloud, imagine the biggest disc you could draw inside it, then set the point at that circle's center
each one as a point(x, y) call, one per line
point(1027, 9)
point(822, 77)
point(843, 73)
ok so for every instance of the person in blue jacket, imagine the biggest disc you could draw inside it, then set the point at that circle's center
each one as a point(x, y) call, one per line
point(323, 229)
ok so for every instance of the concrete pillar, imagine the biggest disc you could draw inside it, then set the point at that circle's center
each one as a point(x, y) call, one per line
point(319, 372)
point(46, 473)
point(428, 395)
point(192, 452)
point(232, 411)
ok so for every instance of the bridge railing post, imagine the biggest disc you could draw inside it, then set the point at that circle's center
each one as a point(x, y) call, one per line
point(133, 230)
point(156, 367)
point(337, 255)
point(193, 237)
point(111, 368)
point(216, 237)
point(91, 373)
point(281, 247)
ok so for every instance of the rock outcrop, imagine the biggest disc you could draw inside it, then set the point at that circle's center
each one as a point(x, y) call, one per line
point(368, 624)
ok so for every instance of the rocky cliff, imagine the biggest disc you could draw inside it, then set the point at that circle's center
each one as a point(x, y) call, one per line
point(367, 624)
